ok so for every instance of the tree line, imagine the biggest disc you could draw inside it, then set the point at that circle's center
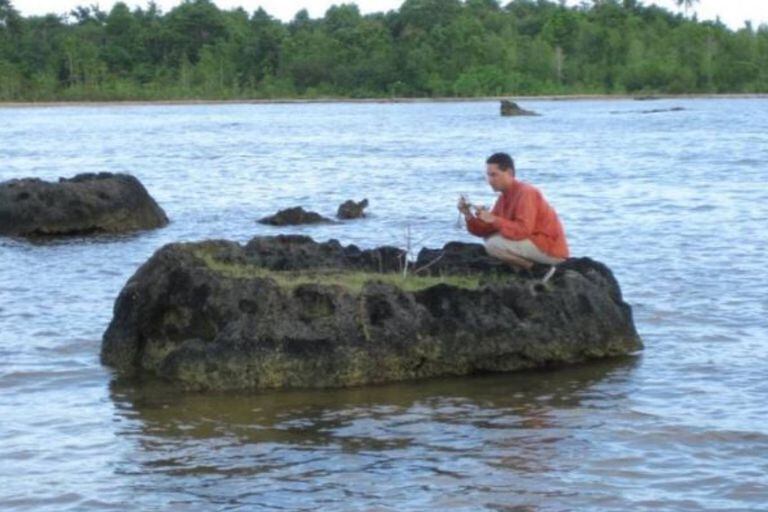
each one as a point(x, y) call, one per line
point(426, 48)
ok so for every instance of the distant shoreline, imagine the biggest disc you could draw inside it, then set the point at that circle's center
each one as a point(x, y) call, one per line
point(245, 101)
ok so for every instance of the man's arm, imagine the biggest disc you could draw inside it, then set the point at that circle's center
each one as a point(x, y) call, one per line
point(478, 227)
point(521, 225)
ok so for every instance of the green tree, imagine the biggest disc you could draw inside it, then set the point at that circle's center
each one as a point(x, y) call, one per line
point(259, 56)
point(122, 47)
point(686, 4)
point(560, 31)
point(425, 48)
point(190, 26)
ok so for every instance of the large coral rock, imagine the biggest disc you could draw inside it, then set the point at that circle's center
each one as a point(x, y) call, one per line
point(286, 311)
point(85, 204)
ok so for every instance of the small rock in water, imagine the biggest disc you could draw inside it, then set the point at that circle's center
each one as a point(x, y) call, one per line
point(510, 108)
point(661, 110)
point(651, 111)
point(293, 217)
point(352, 210)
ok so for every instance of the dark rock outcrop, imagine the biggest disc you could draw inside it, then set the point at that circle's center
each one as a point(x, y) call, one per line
point(296, 252)
point(651, 111)
point(459, 258)
point(662, 110)
point(85, 204)
point(284, 312)
point(350, 209)
point(294, 217)
point(510, 108)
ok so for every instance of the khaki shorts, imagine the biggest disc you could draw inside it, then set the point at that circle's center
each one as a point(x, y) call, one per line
point(499, 247)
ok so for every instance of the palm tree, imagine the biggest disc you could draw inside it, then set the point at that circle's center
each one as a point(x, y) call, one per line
point(686, 4)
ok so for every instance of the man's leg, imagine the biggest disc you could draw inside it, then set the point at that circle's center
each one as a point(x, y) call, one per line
point(520, 253)
point(504, 249)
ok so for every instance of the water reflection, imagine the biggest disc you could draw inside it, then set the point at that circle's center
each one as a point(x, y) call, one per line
point(492, 436)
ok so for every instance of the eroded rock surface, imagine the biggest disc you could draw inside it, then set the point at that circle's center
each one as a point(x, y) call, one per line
point(510, 109)
point(287, 312)
point(294, 217)
point(350, 209)
point(85, 204)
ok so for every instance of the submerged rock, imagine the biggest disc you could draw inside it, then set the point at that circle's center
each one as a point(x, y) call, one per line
point(287, 312)
point(651, 111)
point(510, 108)
point(85, 204)
point(662, 110)
point(293, 217)
point(350, 209)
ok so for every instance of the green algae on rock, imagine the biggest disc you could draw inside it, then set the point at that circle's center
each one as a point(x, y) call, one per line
point(352, 280)
point(287, 312)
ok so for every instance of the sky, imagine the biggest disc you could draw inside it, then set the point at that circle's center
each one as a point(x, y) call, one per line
point(731, 12)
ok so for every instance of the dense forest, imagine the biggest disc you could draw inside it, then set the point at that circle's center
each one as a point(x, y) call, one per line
point(427, 48)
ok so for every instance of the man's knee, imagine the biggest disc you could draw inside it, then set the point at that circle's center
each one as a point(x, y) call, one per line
point(494, 246)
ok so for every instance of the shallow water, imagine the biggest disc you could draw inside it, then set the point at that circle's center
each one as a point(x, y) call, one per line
point(676, 203)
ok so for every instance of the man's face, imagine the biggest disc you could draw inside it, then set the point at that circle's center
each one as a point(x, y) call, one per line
point(497, 179)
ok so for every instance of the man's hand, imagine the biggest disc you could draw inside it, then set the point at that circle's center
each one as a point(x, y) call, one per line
point(464, 206)
point(485, 216)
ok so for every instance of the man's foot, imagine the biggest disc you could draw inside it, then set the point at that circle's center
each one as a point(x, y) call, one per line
point(549, 274)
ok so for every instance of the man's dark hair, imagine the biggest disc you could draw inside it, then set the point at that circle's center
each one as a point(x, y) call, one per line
point(503, 160)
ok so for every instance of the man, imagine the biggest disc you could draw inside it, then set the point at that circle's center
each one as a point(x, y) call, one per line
point(522, 228)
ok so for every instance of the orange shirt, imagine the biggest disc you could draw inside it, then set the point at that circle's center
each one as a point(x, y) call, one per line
point(522, 212)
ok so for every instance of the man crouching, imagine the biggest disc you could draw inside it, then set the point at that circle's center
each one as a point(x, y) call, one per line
point(522, 228)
